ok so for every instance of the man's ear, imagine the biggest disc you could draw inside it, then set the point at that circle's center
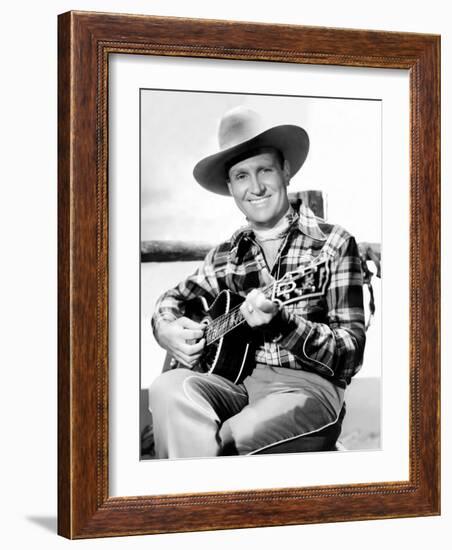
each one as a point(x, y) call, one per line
point(228, 183)
point(286, 172)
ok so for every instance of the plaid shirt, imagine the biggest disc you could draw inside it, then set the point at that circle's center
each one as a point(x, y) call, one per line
point(324, 334)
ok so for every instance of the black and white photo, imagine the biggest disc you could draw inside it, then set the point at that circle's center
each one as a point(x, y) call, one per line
point(260, 276)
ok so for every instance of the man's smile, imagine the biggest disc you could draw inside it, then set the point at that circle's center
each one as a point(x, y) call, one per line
point(259, 200)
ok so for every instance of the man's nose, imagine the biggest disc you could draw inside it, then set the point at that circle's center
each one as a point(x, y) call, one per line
point(256, 186)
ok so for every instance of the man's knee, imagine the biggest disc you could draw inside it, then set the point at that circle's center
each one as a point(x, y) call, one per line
point(275, 420)
point(166, 386)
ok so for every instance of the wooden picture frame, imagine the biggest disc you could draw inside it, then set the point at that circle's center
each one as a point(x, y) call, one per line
point(85, 42)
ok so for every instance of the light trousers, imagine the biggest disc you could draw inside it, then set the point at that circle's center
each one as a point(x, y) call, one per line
point(204, 415)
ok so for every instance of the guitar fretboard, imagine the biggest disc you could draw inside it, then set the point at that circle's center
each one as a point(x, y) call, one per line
point(223, 324)
point(228, 321)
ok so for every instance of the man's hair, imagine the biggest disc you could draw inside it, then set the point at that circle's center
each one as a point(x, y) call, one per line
point(252, 153)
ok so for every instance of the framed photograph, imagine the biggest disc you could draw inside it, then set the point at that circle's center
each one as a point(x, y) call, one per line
point(249, 260)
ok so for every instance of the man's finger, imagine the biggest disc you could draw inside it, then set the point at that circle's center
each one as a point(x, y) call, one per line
point(192, 349)
point(244, 308)
point(266, 305)
point(195, 358)
point(257, 309)
point(188, 323)
point(183, 361)
point(193, 334)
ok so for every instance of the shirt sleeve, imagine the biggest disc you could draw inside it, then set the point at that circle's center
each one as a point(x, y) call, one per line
point(202, 283)
point(335, 347)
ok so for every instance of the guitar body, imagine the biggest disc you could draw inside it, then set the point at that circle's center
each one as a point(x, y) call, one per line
point(232, 355)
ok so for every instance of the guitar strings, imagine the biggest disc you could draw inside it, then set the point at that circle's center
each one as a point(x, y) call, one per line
point(223, 320)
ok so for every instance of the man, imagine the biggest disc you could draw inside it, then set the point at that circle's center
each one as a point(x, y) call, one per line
point(305, 353)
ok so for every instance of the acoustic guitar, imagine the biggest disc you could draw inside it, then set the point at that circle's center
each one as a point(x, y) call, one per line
point(230, 341)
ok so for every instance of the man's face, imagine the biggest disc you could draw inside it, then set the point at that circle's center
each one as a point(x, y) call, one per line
point(259, 187)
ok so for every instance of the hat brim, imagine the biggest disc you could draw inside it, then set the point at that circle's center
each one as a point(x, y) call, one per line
point(292, 141)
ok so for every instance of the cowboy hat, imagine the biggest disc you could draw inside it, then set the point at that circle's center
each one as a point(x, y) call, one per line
point(241, 130)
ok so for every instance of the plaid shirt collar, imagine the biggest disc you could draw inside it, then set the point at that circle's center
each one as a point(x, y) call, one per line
point(304, 221)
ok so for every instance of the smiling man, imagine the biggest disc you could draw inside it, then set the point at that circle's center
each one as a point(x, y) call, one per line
point(299, 355)
point(258, 185)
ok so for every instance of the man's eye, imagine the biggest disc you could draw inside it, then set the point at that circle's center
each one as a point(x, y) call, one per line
point(240, 176)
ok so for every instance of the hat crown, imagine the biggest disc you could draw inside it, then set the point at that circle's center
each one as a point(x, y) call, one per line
point(242, 131)
point(237, 126)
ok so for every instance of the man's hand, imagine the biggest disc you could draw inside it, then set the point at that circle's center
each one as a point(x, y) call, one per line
point(183, 339)
point(257, 309)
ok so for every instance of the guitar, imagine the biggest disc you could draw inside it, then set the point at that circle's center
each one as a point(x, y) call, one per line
point(229, 339)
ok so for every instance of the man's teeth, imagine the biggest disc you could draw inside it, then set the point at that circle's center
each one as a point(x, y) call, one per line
point(257, 201)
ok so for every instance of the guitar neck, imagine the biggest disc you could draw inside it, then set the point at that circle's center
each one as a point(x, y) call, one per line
point(223, 324)
point(228, 321)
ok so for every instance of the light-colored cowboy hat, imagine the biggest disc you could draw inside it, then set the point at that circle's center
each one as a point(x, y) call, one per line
point(242, 130)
